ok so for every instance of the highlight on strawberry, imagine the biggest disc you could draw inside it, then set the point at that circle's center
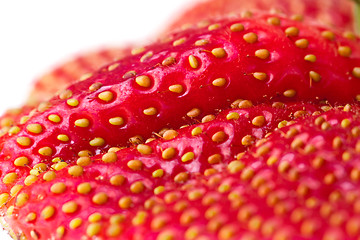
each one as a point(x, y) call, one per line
point(245, 126)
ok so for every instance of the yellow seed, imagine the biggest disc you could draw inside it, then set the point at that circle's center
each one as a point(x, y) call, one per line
point(237, 27)
point(137, 187)
point(177, 88)
point(83, 122)
point(179, 42)
point(106, 96)
point(84, 188)
point(93, 229)
point(218, 52)
point(302, 43)
point(349, 35)
point(310, 58)
point(34, 128)
point(168, 153)
point(10, 210)
point(69, 207)
point(54, 118)
point(23, 141)
point(219, 137)
point(76, 171)
point(49, 176)
point(247, 140)
point(196, 131)
point(219, 82)
point(48, 212)
point(65, 94)
point(135, 164)
point(117, 180)
point(31, 217)
point(60, 165)
point(158, 190)
point(95, 86)
point(30, 180)
point(201, 42)
point(97, 142)
point(168, 61)
point(10, 178)
point(15, 189)
point(83, 161)
point(143, 81)
point(63, 137)
point(158, 173)
point(193, 113)
point(214, 159)
point(14, 130)
point(45, 151)
point(344, 51)
point(44, 106)
point(21, 161)
point(144, 149)
point(60, 231)
point(24, 119)
point(292, 31)
point(146, 56)
point(262, 53)
point(258, 121)
point(193, 61)
point(213, 26)
point(250, 37)
point(345, 123)
point(112, 67)
point(58, 188)
point(356, 72)
point(232, 116)
point(314, 76)
point(274, 21)
point(328, 35)
point(260, 76)
point(75, 223)
point(95, 217)
point(21, 199)
point(125, 202)
point(150, 111)
point(187, 157)
point(109, 157)
point(72, 102)
point(290, 93)
point(137, 50)
point(100, 198)
point(116, 121)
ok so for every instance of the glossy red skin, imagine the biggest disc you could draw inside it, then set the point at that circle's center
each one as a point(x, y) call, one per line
point(46, 86)
point(99, 173)
point(287, 69)
point(281, 186)
point(335, 13)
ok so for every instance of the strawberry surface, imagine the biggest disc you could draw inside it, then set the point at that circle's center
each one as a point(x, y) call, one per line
point(174, 83)
point(301, 183)
point(122, 181)
point(335, 13)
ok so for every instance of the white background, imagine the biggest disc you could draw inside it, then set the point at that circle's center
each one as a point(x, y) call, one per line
point(38, 34)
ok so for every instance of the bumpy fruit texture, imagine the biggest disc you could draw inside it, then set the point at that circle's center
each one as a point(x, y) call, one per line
point(78, 198)
point(69, 72)
point(335, 13)
point(167, 85)
point(301, 183)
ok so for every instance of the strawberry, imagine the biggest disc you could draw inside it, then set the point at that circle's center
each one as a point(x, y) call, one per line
point(117, 179)
point(301, 183)
point(169, 85)
point(69, 72)
point(335, 13)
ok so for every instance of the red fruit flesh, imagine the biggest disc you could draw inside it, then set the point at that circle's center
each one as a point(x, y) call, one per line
point(171, 87)
point(128, 177)
point(301, 183)
point(335, 13)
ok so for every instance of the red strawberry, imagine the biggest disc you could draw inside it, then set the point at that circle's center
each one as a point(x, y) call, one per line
point(302, 183)
point(196, 74)
point(335, 13)
point(69, 72)
point(123, 180)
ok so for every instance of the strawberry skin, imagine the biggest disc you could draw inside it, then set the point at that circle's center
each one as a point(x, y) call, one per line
point(335, 13)
point(71, 71)
point(122, 181)
point(177, 82)
point(301, 183)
